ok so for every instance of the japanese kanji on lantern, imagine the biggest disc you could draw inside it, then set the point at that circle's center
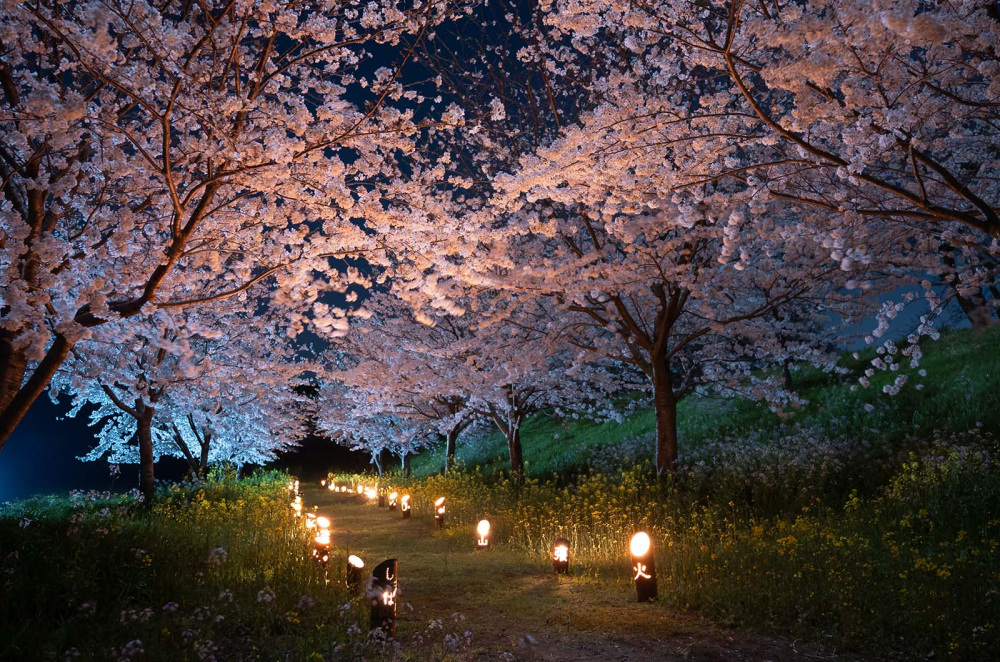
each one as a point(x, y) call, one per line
point(439, 511)
point(483, 533)
point(560, 556)
point(383, 597)
point(643, 567)
point(393, 500)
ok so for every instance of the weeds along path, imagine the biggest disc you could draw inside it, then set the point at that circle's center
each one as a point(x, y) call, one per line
point(514, 604)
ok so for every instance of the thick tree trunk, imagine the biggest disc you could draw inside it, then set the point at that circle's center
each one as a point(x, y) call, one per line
point(514, 448)
point(451, 441)
point(16, 398)
point(144, 432)
point(665, 405)
point(976, 310)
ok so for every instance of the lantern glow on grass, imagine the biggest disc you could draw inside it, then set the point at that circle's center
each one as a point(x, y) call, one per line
point(404, 506)
point(439, 511)
point(483, 531)
point(560, 556)
point(355, 567)
point(643, 567)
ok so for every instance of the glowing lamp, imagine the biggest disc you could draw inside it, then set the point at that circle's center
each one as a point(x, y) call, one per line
point(321, 546)
point(355, 566)
point(560, 556)
point(323, 522)
point(404, 506)
point(643, 567)
point(297, 506)
point(439, 513)
point(370, 493)
point(322, 483)
point(331, 487)
point(483, 531)
point(383, 597)
point(310, 520)
point(393, 499)
point(361, 489)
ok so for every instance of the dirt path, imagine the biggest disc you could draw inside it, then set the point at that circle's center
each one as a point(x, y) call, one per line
point(516, 609)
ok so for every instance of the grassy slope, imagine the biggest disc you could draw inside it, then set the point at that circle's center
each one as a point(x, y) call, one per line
point(960, 391)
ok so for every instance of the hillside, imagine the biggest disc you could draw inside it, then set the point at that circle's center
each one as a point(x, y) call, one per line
point(960, 391)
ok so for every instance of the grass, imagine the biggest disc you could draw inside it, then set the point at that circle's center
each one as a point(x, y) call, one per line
point(959, 393)
point(216, 571)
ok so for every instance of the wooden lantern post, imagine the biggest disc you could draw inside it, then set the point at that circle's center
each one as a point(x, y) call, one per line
point(560, 556)
point(439, 511)
point(643, 567)
point(383, 597)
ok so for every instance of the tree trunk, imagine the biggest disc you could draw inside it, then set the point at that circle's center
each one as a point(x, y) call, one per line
point(514, 448)
point(976, 310)
point(665, 405)
point(405, 462)
point(144, 432)
point(451, 441)
point(205, 446)
point(786, 372)
point(16, 398)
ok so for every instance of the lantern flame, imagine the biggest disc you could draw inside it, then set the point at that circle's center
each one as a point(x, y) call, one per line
point(394, 495)
point(561, 553)
point(355, 561)
point(483, 528)
point(640, 544)
point(323, 522)
point(439, 502)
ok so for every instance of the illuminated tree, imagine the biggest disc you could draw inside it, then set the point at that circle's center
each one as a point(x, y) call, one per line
point(162, 156)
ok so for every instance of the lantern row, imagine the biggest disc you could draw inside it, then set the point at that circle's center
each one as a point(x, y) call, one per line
point(640, 546)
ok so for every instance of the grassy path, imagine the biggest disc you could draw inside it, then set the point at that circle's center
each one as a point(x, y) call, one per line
point(514, 604)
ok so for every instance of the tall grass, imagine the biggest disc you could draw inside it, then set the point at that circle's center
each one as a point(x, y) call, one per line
point(213, 571)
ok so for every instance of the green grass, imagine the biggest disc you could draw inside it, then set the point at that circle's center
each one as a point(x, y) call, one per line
point(959, 393)
point(99, 577)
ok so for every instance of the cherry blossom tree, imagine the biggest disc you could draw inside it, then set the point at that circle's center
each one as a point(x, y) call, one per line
point(174, 377)
point(161, 156)
point(882, 111)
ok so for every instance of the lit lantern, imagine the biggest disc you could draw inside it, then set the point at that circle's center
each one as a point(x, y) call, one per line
point(370, 493)
point(323, 522)
point(393, 499)
point(383, 597)
point(331, 487)
point(321, 546)
point(322, 483)
point(354, 568)
point(297, 506)
point(560, 556)
point(439, 513)
point(483, 531)
point(361, 489)
point(404, 506)
point(310, 520)
point(643, 567)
